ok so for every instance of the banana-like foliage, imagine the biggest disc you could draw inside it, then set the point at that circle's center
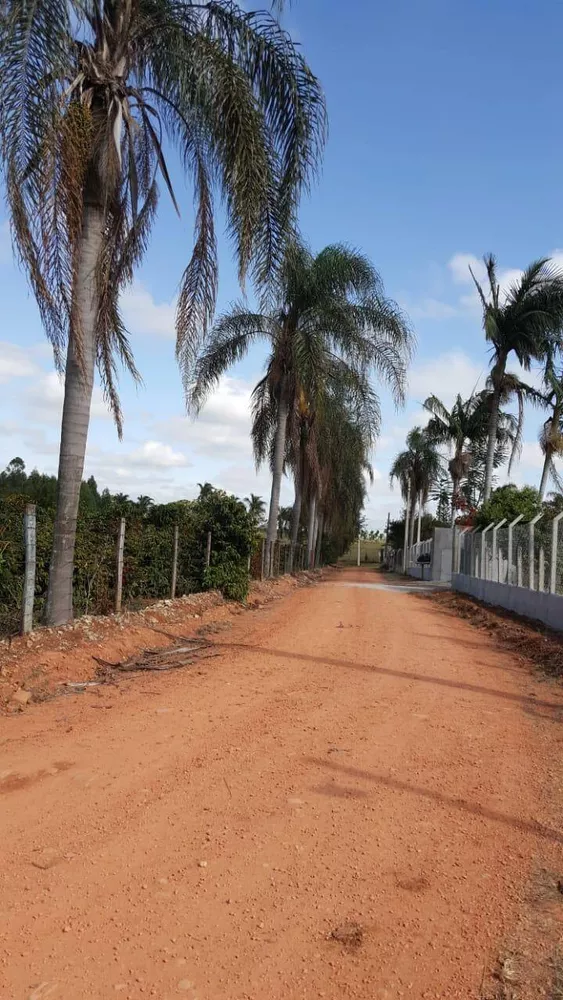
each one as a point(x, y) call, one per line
point(94, 95)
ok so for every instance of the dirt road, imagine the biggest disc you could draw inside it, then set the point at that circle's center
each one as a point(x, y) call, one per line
point(353, 757)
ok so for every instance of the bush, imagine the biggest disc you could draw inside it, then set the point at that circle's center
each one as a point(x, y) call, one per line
point(509, 501)
point(147, 561)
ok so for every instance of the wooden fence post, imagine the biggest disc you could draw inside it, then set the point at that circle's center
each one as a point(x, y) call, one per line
point(30, 539)
point(119, 565)
point(208, 551)
point(174, 563)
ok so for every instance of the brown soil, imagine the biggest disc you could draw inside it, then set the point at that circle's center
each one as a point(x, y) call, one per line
point(533, 642)
point(359, 798)
point(48, 659)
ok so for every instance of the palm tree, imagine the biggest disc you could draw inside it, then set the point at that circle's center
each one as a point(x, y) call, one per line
point(330, 310)
point(90, 88)
point(551, 434)
point(464, 429)
point(526, 321)
point(344, 450)
point(144, 504)
point(256, 509)
point(416, 469)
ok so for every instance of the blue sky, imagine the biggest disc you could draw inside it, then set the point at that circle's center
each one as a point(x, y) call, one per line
point(446, 141)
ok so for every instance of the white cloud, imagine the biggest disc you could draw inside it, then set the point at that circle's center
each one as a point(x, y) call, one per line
point(459, 266)
point(432, 309)
point(531, 456)
point(222, 429)
point(44, 400)
point(155, 453)
point(143, 315)
point(446, 376)
point(15, 362)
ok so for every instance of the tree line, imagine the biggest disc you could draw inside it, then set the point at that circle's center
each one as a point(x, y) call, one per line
point(522, 323)
point(96, 97)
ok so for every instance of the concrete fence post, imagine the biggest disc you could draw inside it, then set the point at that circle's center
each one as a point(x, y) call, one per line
point(30, 543)
point(483, 550)
point(475, 553)
point(494, 559)
point(531, 551)
point(554, 547)
point(119, 565)
point(541, 569)
point(509, 574)
point(174, 562)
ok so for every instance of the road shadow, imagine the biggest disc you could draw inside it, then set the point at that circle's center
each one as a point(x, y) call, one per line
point(404, 675)
point(473, 808)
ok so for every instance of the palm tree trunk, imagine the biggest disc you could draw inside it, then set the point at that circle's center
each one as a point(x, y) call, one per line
point(79, 383)
point(411, 521)
point(455, 487)
point(419, 524)
point(279, 455)
point(545, 473)
point(295, 519)
point(311, 531)
point(492, 438)
point(319, 543)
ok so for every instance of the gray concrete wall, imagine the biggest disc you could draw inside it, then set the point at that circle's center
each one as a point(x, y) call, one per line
point(440, 569)
point(441, 566)
point(546, 608)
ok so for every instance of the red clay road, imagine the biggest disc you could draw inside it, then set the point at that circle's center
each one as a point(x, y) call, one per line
point(352, 756)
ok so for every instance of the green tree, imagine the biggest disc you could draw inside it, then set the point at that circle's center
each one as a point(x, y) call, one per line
point(330, 311)
point(526, 321)
point(509, 501)
point(90, 90)
point(464, 430)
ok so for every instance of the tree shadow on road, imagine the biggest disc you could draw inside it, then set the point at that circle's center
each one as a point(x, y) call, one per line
point(527, 701)
point(474, 808)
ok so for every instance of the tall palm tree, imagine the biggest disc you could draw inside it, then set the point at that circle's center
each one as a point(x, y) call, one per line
point(90, 91)
point(337, 391)
point(527, 321)
point(346, 429)
point(416, 469)
point(464, 429)
point(330, 310)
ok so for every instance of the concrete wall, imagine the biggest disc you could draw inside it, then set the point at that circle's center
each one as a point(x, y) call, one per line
point(441, 566)
point(440, 569)
point(546, 608)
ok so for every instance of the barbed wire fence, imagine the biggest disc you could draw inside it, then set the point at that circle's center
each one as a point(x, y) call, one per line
point(123, 566)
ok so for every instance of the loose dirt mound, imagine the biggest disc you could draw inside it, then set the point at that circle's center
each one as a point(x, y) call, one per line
point(533, 642)
point(50, 660)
